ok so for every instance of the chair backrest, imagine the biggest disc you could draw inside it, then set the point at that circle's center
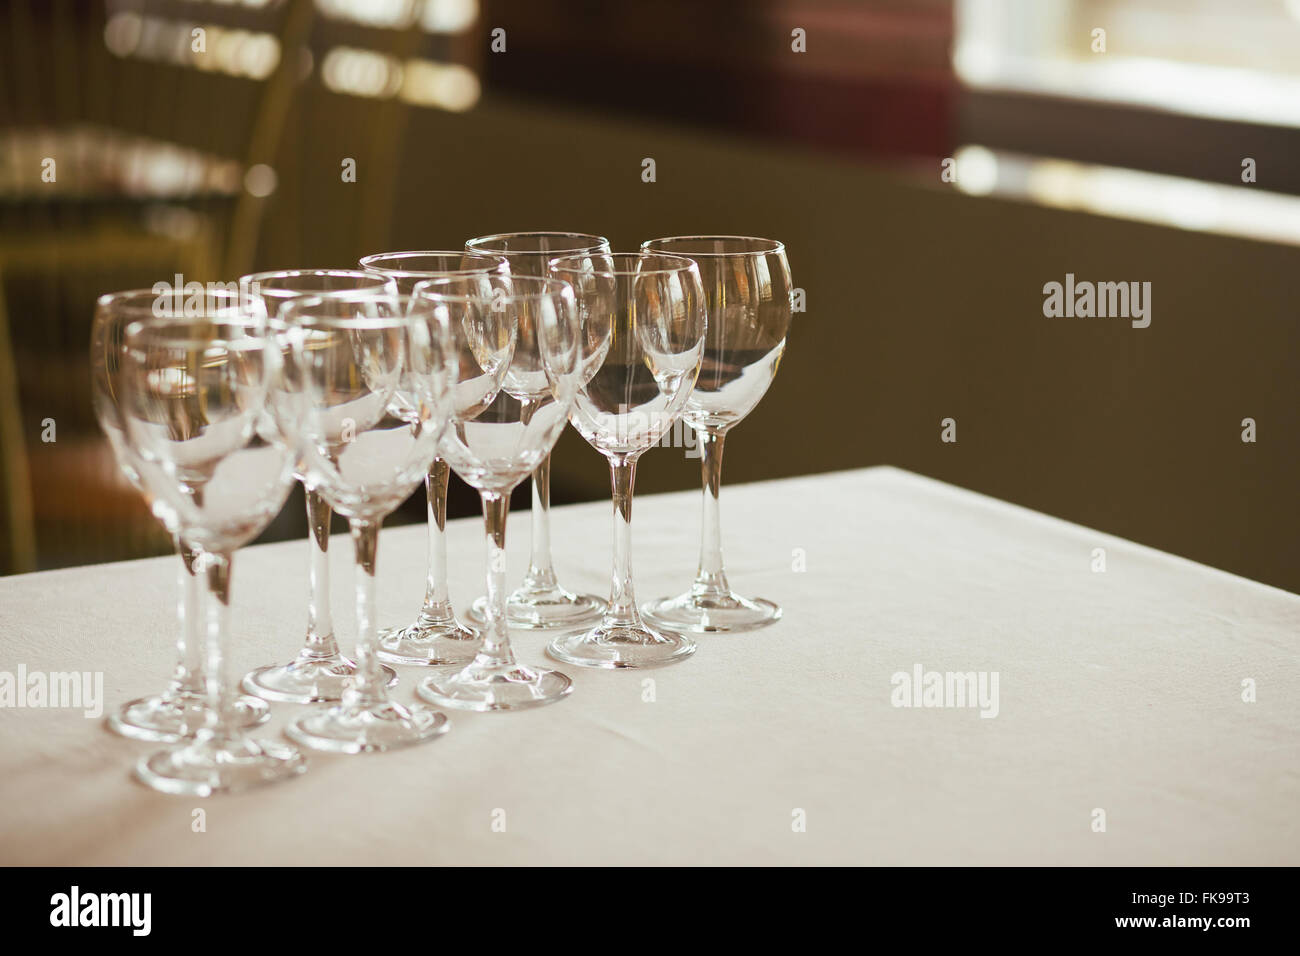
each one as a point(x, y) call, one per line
point(215, 79)
point(151, 91)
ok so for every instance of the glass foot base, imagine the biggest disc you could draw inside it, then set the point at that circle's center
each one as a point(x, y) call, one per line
point(225, 765)
point(428, 644)
point(355, 729)
point(635, 646)
point(486, 687)
point(169, 718)
point(698, 614)
point(556, 609)
point(307, 680)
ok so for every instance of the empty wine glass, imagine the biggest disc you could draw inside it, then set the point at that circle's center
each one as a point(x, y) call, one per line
point(497, 438)
point(180, 709)
point(320, 671)
point(541, 603)
point(749, 299)
point(643, 321)
point(365, 400)
point(195, 386)
point(435, 637)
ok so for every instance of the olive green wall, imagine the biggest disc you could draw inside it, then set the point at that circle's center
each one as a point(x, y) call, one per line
point(922, 304)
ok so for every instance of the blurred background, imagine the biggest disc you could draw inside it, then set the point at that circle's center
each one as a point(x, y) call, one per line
point(930, 165)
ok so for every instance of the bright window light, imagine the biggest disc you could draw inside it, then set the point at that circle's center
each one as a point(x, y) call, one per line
point(1174, 201)
point(1223, 59)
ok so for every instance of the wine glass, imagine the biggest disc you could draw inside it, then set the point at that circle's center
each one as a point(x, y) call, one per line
point(179, 710)
point(643, 320)
point(497, 438)
point(435, 637)
point(194, 391)
point(541, 603)
point(365, 400)
point(749, 299)
point(320, 671)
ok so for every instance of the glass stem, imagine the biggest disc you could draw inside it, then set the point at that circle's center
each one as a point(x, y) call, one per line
point(188, 679)
point(495, 651)
point(437, 602)
point(622, 610)
point(217, 716)
point(541, 572)
point(711, 579)
point(367, 688)
point(320, 641)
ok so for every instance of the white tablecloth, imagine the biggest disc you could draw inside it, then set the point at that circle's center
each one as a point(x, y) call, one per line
point(1119, 691)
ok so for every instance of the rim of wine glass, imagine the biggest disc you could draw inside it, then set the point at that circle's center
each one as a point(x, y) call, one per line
point(367, 262)
point(545, 285)
point(480, 244)
point(114, 298)
point(147, 298)
point(762, 247)
point(257, 278)
point(684, 264)
point(302, 304)
point(143, 303)
point(256, 325)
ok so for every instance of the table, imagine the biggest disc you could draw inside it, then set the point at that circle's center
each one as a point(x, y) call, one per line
point(1118, 690)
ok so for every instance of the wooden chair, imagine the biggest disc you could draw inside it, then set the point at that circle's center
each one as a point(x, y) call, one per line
point(64, 84)
point(94, 229)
